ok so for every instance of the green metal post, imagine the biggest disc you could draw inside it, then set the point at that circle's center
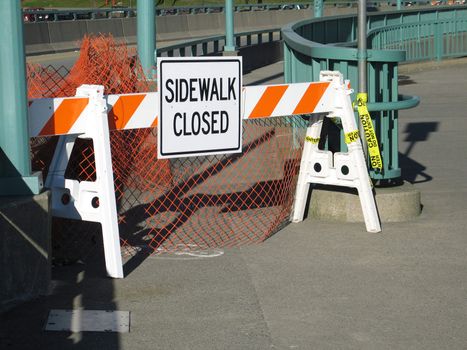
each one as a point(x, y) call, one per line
point(229, 27)
point(15, 164)
point(318, 8)
point(146, 34)
point(438, 39)
point(362, 60)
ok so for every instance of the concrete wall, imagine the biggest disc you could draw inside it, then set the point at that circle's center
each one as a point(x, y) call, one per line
point(258, 56)
point(52, 37)
point(25, 248)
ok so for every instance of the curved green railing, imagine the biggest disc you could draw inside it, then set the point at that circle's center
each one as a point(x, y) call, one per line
point(398, 36)
point(424, 40)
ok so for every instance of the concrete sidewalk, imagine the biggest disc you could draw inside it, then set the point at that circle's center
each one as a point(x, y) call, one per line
point(313, 285)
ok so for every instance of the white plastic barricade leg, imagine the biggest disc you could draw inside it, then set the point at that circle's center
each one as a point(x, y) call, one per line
point(310, 145)
point(85, 200)
point(340, 169)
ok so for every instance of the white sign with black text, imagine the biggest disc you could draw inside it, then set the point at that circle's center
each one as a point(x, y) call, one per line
point(200, 111)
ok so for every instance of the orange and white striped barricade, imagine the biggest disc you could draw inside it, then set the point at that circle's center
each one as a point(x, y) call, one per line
point(84, 116)
point(328, 98)
point(347, 169)
point(91, 114)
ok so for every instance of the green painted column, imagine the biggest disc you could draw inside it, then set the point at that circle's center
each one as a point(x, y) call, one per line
point(229, 27)
point(362, 47)
point(15, 164)
point(362, 61)
point(146, 35)
point(399, 4)
point(318, 8)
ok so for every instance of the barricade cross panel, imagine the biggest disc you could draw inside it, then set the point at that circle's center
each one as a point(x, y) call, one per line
point(92, 115)
point(286, 99)
point(67, 116)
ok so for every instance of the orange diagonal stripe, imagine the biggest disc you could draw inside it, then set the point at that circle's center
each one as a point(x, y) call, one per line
point(64, 117)
point(154, 122)
point(123, 110)
point(310, 99)
point(268, 101)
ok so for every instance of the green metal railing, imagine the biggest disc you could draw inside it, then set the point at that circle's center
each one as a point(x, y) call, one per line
point(423, 40)
point(303, 61)
point(398, 36)
point(213, 45)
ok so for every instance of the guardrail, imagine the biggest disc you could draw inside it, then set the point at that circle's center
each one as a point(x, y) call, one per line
point(34, 15)
point(425, 40)
point(411, 35)
point(105, 13)
point(213, 45)
point(258, 48)
point(51, 37)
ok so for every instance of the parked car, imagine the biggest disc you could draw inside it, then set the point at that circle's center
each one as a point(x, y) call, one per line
point(35, 17)
point(292, 7)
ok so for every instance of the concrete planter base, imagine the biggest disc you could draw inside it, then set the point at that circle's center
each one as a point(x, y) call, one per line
point(395, 204)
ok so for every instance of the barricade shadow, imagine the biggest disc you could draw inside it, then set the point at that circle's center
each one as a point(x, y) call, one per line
point(176, 201)
point(413, 171)
point(83, 285)
point(28, 262)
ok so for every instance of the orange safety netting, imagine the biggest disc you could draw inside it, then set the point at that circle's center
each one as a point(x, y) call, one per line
point(165, 205)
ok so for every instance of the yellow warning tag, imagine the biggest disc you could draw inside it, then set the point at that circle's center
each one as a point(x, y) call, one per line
point(312, 140)
point(372, 142)
point(351, 136)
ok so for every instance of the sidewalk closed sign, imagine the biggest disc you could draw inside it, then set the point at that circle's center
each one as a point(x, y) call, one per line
point(199, 106)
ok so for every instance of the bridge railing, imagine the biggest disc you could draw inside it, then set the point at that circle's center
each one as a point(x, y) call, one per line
point(426, 40)
point(119, 12)
point(34, 15)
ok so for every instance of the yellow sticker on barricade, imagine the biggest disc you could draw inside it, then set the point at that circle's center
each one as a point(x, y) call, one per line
point(351, 136)
point(370, 136)
point(312, 140)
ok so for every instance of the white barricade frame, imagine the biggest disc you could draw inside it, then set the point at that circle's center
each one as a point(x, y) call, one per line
point(87, 115)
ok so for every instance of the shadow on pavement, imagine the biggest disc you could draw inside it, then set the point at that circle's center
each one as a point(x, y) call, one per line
point(82, 285)
point(413, 171)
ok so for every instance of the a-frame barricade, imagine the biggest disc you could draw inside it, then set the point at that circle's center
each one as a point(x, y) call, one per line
point(87, 116)
point(347, 169)
point(89, 200)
